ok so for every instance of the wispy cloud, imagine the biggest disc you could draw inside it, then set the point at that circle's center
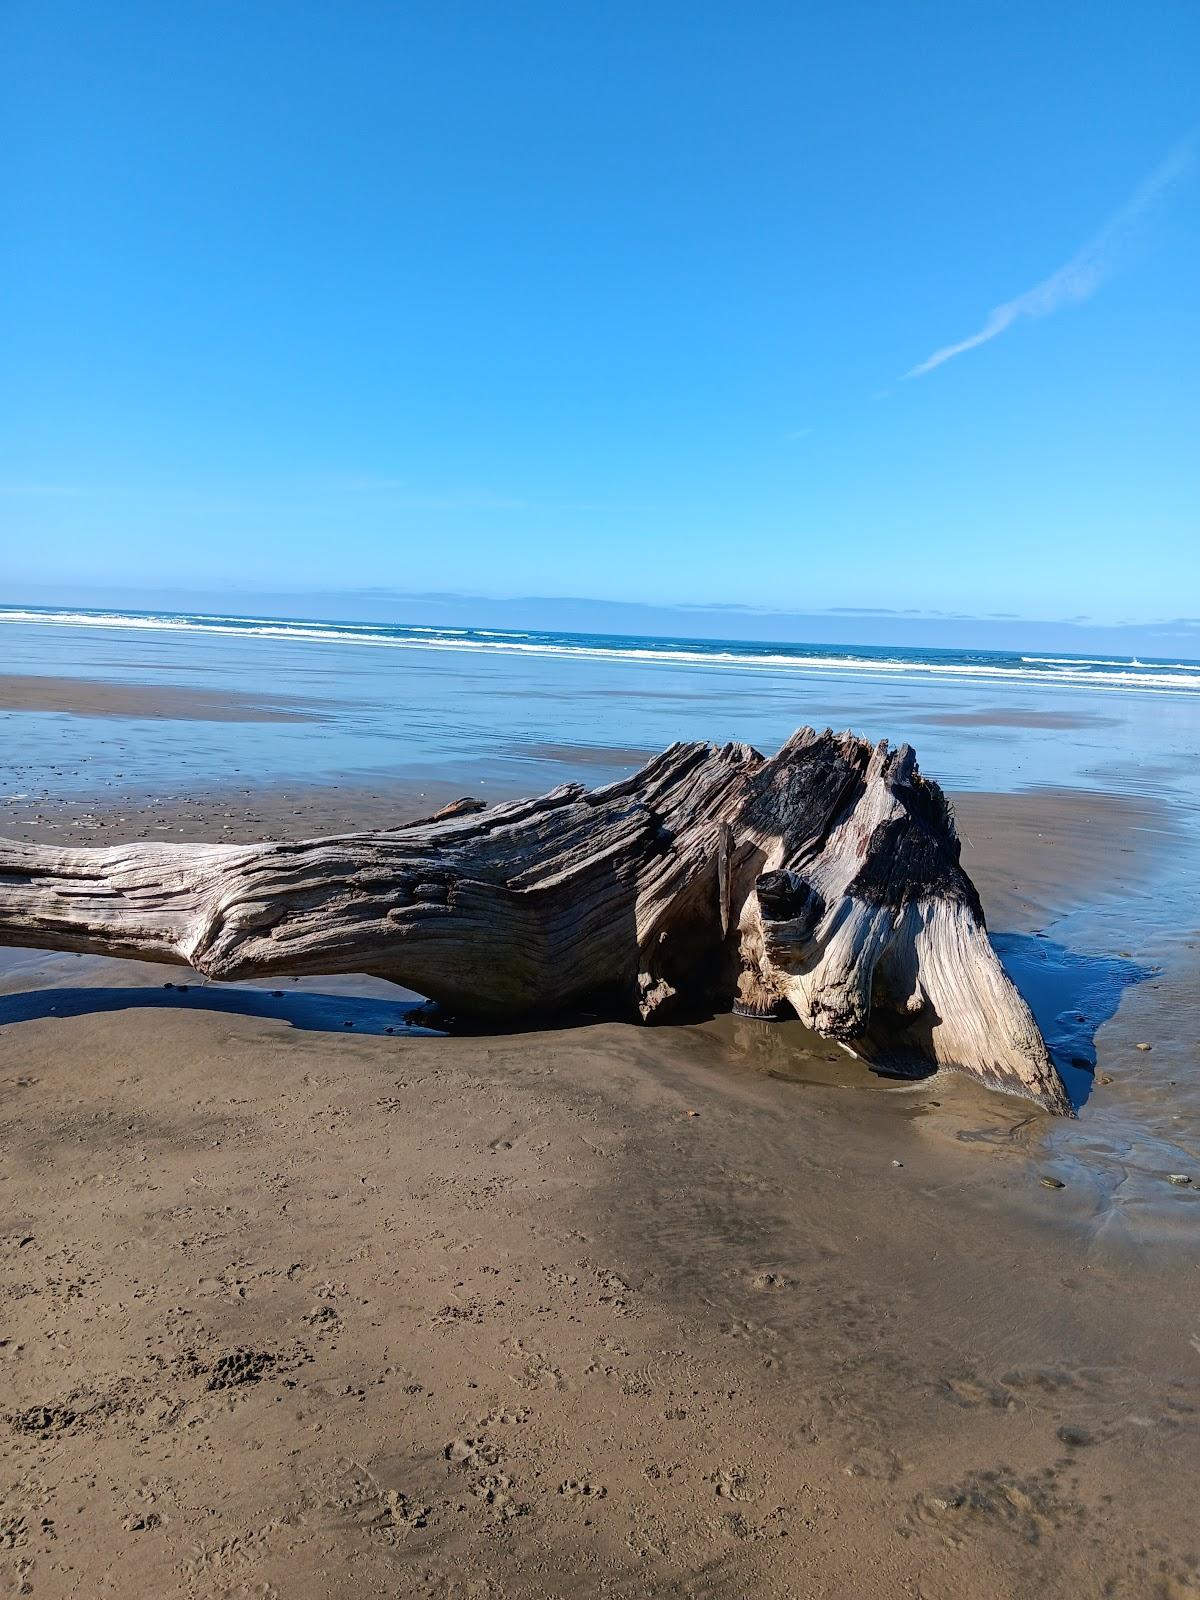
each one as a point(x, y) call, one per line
point(1087, 269)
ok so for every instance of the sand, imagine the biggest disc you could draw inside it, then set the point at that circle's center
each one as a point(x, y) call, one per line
point(1036, 854)
point(118, 700)
point(299, 1310)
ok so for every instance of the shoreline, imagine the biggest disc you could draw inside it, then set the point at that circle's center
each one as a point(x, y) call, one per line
point(982, 665)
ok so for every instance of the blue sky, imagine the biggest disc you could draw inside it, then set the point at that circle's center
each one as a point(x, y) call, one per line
point(787, 306)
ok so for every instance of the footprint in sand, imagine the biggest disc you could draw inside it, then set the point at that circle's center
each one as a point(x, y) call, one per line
point(1029, 1507)
point(732, 1483)
point(768, 1280)
point(471, 1454)
point(968, 1389)
point(582, 1489)
point(399, 1514)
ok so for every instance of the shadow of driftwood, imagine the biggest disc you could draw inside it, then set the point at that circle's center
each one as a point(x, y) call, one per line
point(300, 1008)
point(311, 1010)
point(1071, 997)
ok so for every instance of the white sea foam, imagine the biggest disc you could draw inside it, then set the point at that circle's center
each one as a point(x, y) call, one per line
point(1108, 661)
point(1065, 671)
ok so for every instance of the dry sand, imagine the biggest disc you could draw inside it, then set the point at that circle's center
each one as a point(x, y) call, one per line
point(303, 1311)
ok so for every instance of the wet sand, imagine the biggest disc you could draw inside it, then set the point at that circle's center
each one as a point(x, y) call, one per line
point(298, 1309)
point(118, 700)
point(1037, 853)
point(1011, 717)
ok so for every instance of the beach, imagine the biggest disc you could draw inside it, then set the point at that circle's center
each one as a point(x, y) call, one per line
point(301, 1299)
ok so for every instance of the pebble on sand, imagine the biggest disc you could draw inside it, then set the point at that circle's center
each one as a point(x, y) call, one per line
point(1145, 1047)
point(1052, 1183)
point(1181, 1180)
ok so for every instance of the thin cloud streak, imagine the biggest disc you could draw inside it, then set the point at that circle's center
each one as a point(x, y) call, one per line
point(1087, 269)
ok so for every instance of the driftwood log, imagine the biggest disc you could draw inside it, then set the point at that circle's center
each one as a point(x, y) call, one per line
point(824, 881)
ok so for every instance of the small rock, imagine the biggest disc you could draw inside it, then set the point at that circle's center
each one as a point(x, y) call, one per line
point(1074, 1438)
point(1181, 1180)
point(692, 1113)
point(897, 1163)
point(1145, 1047)
point(1052, 1183)
point(1104, 1078)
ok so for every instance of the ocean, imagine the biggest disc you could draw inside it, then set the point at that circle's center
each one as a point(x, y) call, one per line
point(499, 711)
point(1152, 675)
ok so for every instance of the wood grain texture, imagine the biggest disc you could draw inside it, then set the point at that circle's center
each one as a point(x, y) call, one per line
point(825, 879)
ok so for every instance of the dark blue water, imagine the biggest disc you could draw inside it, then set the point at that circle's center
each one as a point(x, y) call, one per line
point(1165, 675)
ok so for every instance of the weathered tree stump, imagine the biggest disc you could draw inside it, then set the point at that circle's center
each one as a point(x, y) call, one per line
point(825, 880)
